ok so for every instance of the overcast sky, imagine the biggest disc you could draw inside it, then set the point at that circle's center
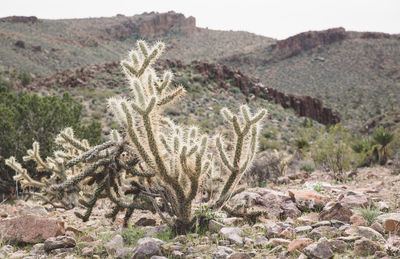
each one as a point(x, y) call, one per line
point(273, 18)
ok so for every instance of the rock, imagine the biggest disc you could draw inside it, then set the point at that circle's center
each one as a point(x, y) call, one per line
point(124, 252)
point(158, 257)
point(383, 206)
point(152, 231)
point(177, 255)
point(273, 229)
point(260, 241)
point(117, 242)
point(335, 210)
point(323, 231)
point(233, 234)
point(58, 242)
point(353, 200)
point(391, 222)
point(288, 233)
point(378, 227)
point(30, 229)
point(365, 247)
point(232, 221)
point(363, 232)
point(318, 250)
point(20, 44)
point(337, 246)
point(214, 226)
point(299, 244)
point(239, 256)
point(308, 199)
point(324, 223)
point(38, 249)
point(308, 219)
point(18, 255)
point(278, 242)
point(145, 222)
point(87, 251)
point(358, 220)
point(289, 210)
point(222, 252)
point(303, 229)
point(147, 247)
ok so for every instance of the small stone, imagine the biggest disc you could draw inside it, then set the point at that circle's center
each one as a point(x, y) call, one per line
point(18, 255)
point(278, 242)
point(145, 222)
point(335, 210)
point(383, 206)
point(239, 256)
point(87, 251)
point(231, 221)
point(378, 227)
point(114, 244)
point(358, 220)
point(308, 219)
point(365, 247)
point(215, 226)
point(299, 244)
point(233, 234)
point(222, 252)
point(303, 229)
point(391, 222)
point(38, 249)
point(323, 231)
point(260, 241)
point(308, 199)
point(353, 200)
point(124, 252)
point(337, 246)
point(323, 223)
point(273, 229)
point(177, 255)
point(58, 242)
point(147, 247)
point(364, 232)
point(318, 250)
point(287, 233)
point(152, 231)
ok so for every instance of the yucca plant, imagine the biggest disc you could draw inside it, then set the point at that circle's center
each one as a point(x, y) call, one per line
point(158, 163)
point(383, 138)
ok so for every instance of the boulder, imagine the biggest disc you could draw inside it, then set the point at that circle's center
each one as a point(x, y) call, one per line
point(391, 222)
point(353, 200)
point(30, 229)
point(116, 243)
point(366, 232)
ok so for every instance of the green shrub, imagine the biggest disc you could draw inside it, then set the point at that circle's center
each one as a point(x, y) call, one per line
point(383, 138)
point(25, 118)
point(309, 168)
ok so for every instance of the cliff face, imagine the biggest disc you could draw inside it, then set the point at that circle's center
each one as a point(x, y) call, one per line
point(307, 40)
point(304, 106)
point(149, 25)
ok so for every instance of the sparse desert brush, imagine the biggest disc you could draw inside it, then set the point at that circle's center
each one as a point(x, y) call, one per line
point(152, 164)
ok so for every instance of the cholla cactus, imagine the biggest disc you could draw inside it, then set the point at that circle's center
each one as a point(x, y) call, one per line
point(158, 158)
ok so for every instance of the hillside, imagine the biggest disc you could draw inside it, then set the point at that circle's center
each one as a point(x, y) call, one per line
point(47, 46)
point(357, 74)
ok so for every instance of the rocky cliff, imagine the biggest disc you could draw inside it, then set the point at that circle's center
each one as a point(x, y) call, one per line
point(149, 25)
point(307, 40)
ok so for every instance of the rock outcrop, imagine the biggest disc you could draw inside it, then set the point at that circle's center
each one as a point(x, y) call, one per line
point(149, 25)
point(305, 106)
point(20, 19)
point(298, 43)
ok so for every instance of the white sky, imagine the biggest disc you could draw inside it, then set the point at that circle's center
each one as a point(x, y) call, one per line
point(273, 18)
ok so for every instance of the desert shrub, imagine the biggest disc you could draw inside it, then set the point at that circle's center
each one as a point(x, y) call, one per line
point(364, 148)
point(25, 117)
point(383, 137)
point(153, 158)
point(268, 167)
point(25, 78)
point(332, 152)
point(309, 168)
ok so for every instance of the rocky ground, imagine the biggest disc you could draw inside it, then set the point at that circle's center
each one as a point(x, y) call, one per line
point(306, 216)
